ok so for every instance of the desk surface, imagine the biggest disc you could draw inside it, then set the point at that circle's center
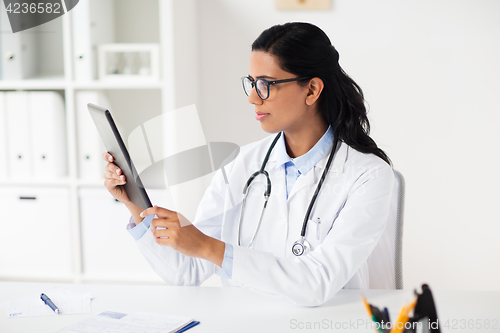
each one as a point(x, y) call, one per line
point(239, 310)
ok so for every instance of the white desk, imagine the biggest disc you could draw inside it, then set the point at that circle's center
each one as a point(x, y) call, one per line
point(239, 310)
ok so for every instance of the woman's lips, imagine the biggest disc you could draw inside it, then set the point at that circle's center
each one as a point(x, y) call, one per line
point(259, 115)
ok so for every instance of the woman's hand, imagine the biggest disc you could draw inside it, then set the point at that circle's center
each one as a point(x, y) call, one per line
point(114, 180)
point(182, 236)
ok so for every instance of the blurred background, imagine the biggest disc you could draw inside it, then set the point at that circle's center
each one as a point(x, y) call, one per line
point(429, 71)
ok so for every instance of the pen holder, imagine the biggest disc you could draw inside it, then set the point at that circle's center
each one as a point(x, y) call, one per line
point(423, 319)
point(424, 313)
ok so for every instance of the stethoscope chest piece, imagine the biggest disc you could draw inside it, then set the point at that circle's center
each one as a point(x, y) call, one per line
point(301, 247)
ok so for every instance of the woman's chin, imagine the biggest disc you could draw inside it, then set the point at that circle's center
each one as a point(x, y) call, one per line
point(269, 128)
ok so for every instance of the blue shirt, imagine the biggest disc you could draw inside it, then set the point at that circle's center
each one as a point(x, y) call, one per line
point(294, 168)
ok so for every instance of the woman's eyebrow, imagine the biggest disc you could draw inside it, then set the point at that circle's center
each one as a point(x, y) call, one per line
point(266, 77)
point(262, 77)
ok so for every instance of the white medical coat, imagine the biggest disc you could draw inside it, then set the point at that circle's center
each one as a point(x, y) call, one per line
point(353, 208)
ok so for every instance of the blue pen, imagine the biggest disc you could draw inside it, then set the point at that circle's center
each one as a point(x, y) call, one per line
point(188, 326)
point(386, 313)
point(47, 301)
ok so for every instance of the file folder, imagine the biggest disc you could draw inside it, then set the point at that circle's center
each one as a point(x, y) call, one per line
point(4, 171)
point(48, 134)
point(89, 144)
point(1, 54)
point(19, 135)
point(82, 49)
point(92, 24)
point(18, 60)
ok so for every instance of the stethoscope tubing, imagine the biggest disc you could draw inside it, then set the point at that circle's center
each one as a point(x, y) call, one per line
point(267, 194)
point(318, 188)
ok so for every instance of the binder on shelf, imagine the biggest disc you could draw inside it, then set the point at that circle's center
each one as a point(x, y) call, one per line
point(18, 51)
point(89, 144)
point(1, 54)
point(82, 50)
point(48, 134)
point(18, 133)
point(4, 171)
point(92, 24)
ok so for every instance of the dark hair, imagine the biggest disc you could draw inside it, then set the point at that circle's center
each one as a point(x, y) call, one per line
point(305, 50)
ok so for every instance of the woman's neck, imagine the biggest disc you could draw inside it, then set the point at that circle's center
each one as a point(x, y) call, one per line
point(300, 141)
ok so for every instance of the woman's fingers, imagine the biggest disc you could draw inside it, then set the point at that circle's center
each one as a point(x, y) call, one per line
point(113, 176)
point(114, 172)
point(160, 212)
point(112, 179)
point(107, 157)
point(162, 232)
point(167, 230)
point(113, 168)
point(164, 223)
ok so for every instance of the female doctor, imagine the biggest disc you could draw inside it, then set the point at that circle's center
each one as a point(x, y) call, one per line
point(304, 207)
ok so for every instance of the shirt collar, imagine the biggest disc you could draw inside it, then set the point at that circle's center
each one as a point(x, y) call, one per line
point(305, 162)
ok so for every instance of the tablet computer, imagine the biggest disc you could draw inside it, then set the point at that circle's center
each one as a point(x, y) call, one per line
point(114, 144)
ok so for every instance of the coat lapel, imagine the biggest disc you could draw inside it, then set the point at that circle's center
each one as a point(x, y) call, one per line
point(314, 175)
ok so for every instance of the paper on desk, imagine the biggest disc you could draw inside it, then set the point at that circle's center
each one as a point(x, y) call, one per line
point(67, 301)
point(130, 322)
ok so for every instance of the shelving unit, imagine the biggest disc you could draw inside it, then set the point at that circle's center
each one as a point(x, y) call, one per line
point(149, 21)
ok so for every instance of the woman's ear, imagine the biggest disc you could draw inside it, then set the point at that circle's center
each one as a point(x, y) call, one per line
point(315, 86)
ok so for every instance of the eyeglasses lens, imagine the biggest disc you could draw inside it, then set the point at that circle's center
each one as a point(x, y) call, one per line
point(262, 88)
point(247, 85)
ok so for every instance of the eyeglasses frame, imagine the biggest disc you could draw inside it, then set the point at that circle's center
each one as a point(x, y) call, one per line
point(268, 84)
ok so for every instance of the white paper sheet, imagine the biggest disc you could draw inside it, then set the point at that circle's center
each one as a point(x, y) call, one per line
point(129, 322)
point(67, 301)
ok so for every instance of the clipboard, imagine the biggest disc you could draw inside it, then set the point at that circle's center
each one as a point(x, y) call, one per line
point(114, 145)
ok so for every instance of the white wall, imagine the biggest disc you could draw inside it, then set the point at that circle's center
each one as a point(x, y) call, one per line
point(430, 73)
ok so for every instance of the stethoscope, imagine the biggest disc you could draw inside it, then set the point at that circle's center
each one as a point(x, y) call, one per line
point(301, 246)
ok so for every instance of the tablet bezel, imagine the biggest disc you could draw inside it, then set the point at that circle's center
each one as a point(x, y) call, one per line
point(116, 147)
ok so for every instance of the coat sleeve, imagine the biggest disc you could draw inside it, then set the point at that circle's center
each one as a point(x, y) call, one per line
point(175, 268)
point(313, 279)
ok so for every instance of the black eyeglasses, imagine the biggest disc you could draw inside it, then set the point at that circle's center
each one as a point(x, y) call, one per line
point(262, 86)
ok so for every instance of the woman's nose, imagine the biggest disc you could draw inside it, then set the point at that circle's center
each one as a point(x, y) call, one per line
point(254, 98)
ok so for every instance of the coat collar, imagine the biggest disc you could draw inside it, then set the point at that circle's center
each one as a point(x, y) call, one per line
point(310, 178)
point(307, 161)
point(337, 165)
